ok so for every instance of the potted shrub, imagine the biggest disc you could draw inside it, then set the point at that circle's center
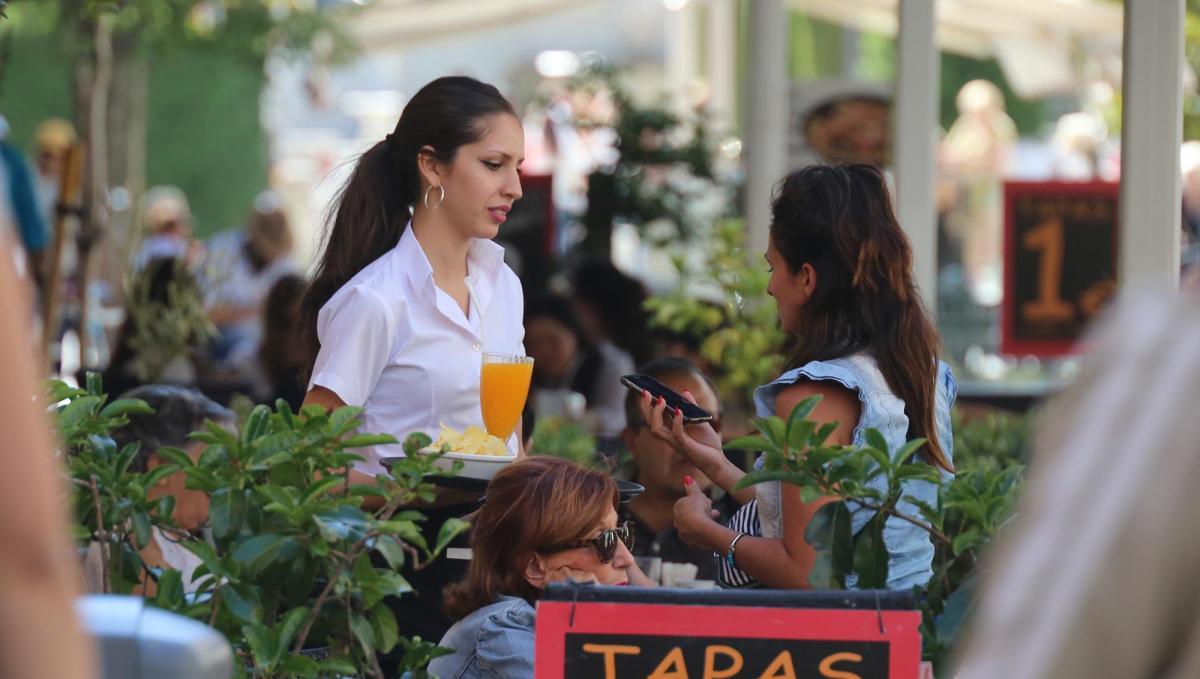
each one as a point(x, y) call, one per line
point(289, 563)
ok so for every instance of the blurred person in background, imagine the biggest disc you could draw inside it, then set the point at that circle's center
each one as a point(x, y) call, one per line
point(40, 634)
point(1078, 141)
point(565, 360)
point(240, 267)
point(974, 158)
point(178, 411)
point(281, 359)
point(662, 470)
point(19, 202)
point(52, 141)
point(168, 223)
point(1097, 577)
point(611, 307)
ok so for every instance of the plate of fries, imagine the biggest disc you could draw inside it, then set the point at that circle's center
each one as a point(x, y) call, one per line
point(481, 453)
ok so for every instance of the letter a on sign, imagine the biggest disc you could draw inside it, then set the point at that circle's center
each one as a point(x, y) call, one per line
point(671, 667)
point(710, 662)
point(828, 672)
point(781, 668)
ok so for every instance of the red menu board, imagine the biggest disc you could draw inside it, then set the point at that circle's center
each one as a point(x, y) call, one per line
point(1060, 251)
point(620, 640)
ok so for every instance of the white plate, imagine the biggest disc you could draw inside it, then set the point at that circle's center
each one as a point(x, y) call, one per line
point(481, 467)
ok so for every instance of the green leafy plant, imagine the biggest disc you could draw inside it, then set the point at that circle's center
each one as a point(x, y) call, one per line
point(970, 510)
point(111, 509)
point(666, 181)
point(290, 563)
point(995, 440)
point(163, 331)
point(561, 437)
point(740, 327)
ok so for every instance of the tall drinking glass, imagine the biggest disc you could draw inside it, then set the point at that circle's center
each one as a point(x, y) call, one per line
point(503, 389)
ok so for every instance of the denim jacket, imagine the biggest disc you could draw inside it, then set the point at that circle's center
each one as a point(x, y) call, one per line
point(910, 552)
point(494, 642)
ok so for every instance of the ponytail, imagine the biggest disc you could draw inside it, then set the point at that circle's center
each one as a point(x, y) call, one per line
point(371, 211)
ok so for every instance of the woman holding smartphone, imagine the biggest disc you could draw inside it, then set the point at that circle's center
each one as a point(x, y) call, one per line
point(410, 290)
point(841, 274)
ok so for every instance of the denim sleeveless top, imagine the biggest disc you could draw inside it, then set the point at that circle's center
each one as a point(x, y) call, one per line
point(910, 551)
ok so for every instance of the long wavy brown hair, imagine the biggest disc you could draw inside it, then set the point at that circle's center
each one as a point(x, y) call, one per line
point(839, 220)
point(531, 504)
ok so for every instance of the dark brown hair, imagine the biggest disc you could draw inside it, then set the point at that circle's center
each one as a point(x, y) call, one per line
point(281, 358)
point(373, 208)
point(839, 220)
point(531, 504)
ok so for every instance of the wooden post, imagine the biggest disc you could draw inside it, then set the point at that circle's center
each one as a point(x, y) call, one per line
point(70, 184)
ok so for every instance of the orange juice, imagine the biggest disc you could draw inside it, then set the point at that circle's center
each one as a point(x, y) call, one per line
point(503, 388)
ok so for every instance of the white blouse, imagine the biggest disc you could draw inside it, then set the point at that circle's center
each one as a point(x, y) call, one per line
point(400, 347)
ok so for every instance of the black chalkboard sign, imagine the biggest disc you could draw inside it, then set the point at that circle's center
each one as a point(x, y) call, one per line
point(528, 233)
point(1060, 263)
point(604, 634)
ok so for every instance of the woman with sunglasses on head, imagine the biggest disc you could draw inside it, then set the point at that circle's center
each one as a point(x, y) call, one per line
point(544, 520)
point(410, 289)
point(841, 274)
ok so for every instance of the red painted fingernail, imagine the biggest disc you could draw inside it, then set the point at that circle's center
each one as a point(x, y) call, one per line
point(678, 411)
point(687, 480)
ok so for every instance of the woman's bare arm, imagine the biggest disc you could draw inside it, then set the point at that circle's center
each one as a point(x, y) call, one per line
point(786, 562)
point(40, 636)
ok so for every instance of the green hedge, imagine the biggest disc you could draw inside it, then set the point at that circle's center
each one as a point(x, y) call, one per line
point(203, 134)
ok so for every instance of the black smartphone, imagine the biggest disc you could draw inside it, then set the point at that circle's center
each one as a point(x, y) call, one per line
point(692, 413)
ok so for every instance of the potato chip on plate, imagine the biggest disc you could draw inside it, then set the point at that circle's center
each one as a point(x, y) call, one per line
point(472, 441)
point(481, 453)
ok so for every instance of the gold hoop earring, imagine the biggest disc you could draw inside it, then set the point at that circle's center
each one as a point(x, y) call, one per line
point(441, 197)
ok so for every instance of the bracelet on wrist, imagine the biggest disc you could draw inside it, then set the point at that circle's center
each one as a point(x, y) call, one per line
point(729, 553)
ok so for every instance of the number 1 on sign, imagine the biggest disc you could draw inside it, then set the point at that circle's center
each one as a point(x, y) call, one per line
point(1049, 307)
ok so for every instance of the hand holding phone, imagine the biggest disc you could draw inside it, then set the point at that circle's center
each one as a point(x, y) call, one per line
point(692, 413)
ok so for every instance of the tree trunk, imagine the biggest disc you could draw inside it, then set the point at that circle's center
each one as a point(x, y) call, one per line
point(127, 111)
point(93, 81)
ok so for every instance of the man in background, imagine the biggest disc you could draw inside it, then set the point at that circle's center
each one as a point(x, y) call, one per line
point(662, 555)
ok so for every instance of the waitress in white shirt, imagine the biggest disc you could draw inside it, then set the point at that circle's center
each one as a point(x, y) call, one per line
point(410, 289)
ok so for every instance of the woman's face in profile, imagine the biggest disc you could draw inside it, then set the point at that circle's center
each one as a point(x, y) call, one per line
point(553, 347)
point(586, 559)
point(786, 288)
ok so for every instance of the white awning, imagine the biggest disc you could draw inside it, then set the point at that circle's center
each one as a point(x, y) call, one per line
point(974, 27)
point(393, 23)
point(1032, 39)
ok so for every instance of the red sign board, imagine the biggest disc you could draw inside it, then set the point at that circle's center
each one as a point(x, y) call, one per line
point(611, 640)
point(1060, 263)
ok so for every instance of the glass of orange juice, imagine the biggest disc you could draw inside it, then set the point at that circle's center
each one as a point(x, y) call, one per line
point(503, 388)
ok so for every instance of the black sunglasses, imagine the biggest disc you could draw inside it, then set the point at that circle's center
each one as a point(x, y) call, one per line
point(605, 543)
